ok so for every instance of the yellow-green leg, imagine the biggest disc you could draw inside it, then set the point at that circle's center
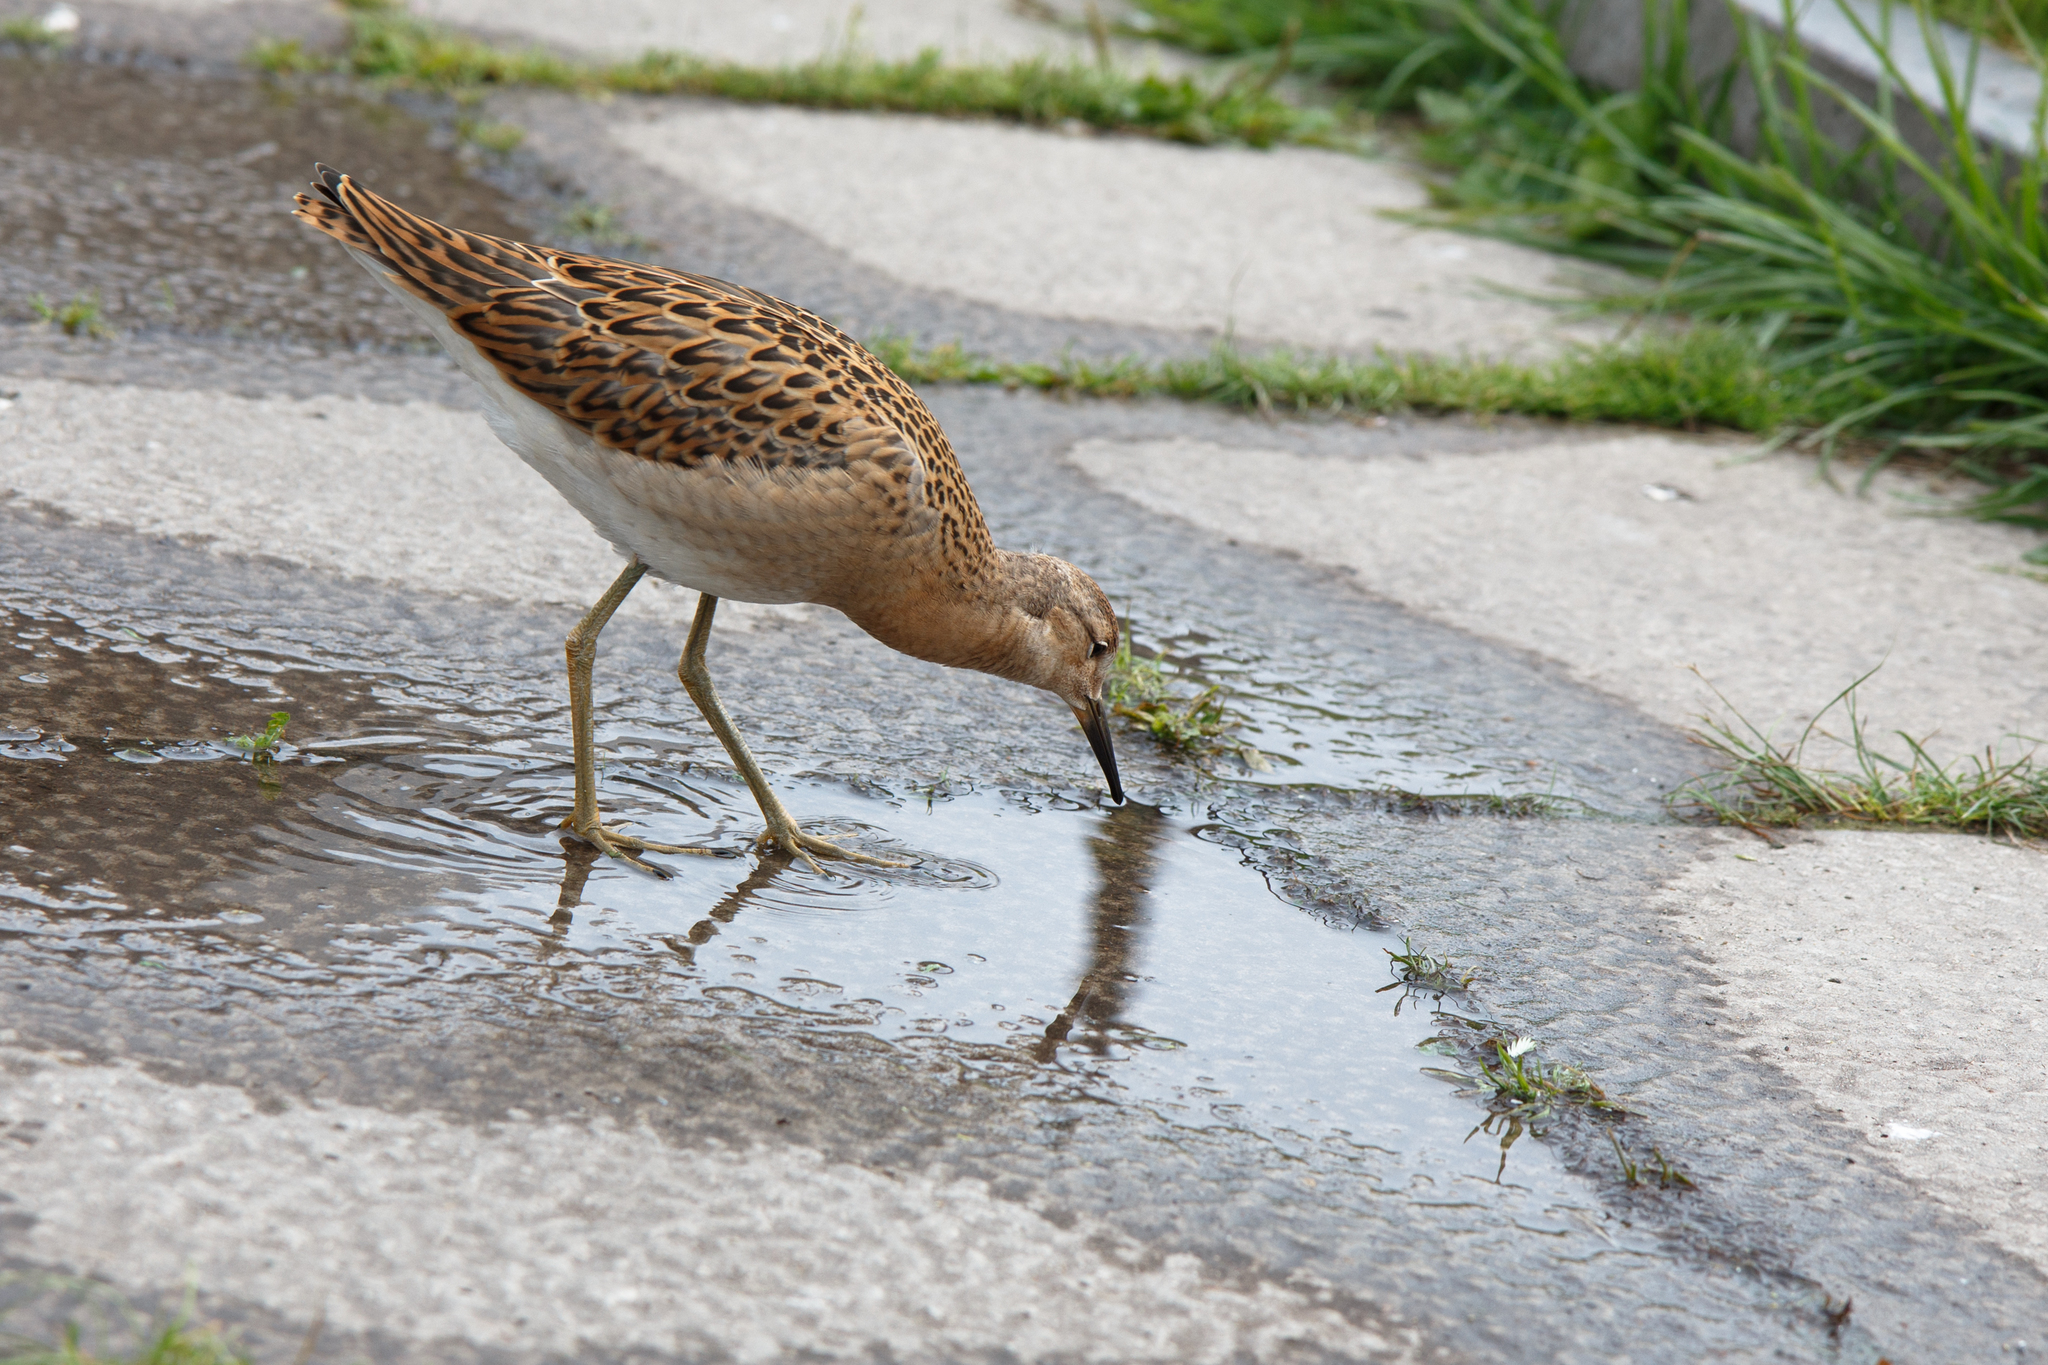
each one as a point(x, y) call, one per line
point(782, 831)
point(582, 651)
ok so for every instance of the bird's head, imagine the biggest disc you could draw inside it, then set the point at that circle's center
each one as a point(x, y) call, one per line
point(1066, 643)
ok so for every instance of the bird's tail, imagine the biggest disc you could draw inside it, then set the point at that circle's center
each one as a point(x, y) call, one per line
point(440, 264)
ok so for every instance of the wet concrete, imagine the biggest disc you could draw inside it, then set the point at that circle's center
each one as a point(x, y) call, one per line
point(281, 1022)
point(400, 943)
point(168, 194)
point(418, 891)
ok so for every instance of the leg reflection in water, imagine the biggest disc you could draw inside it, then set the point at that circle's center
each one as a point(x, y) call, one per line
point(1124, 859)
point(578, 858)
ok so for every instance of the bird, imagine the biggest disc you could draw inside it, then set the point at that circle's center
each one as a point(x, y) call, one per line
point(729, 442)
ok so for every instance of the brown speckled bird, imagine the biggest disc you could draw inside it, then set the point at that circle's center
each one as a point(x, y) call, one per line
point(735, 444)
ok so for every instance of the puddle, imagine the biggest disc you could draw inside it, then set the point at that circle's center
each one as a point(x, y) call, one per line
point(1313, 731)
point(169, 196)
point(1109, 956)
point(1118, 949)
point(1068, 954)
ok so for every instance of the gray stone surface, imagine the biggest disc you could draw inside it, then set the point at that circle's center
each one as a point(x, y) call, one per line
point(1284, 246)
point(426, 958)
point(1900, 979)
point(1631, 558)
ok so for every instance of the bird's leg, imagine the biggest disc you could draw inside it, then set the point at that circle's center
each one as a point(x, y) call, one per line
point(782, 831)
point(582, 652)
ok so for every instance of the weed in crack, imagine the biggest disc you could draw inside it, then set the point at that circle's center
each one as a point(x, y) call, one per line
point(1420, 971)
point(1521, 1093)
point(82, 316)
point(1199, 727)
point(1633, 1175)
point(1767, 784)
point(387, 44)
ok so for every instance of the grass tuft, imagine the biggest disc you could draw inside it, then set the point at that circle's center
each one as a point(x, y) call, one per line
point(387, 44)
point(1522, 1093)
point(1766, 784)
point(1385, 54)
point(1142, 691)
point(1905, 291)
point(1696, 379)
point(82, 316)
point(1420, 971)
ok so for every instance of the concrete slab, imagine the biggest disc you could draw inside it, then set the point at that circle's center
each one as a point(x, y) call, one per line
point(778, 33)
point(1780, 589)
point(781, 32)
point(1413, 870)
point(1904, 979)
point(422, 1230)
point(414, 495)
point(1284, 246)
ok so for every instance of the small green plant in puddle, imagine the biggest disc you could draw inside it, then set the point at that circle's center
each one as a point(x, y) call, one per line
point(1767, 784)
point(1140, 690)
point(1633, 1172)
point(1522, 1093)
point(82, 316)
point(1143, 692)
point(1420, 971)
point(263, 747)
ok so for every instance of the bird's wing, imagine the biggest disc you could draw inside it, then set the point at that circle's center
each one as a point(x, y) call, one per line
point(674, 368)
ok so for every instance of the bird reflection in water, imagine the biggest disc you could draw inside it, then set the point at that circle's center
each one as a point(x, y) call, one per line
point(1124, 856)
point(579, 858)
point(1125, 853)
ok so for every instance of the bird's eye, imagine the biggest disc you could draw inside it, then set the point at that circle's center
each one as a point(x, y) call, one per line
point(1097, 650)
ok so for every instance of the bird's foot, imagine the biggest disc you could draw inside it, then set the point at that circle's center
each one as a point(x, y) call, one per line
point(618, 844)
point(786, 836)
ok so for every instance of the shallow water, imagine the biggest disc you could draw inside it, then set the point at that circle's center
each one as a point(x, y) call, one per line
point(405, 846)
point(1314, 729)
point(1114, 947)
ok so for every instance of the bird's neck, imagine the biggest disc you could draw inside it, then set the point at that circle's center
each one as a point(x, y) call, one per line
point(959, 618)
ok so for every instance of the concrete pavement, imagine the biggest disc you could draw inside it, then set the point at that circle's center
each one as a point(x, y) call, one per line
point(1565, 596)
point(1282, 247)
point(1629, 558)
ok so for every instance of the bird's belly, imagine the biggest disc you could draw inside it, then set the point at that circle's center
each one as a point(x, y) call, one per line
point(669, 518)
point(654, 512)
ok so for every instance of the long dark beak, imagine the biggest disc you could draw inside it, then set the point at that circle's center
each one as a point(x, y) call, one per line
point(1095, 724)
